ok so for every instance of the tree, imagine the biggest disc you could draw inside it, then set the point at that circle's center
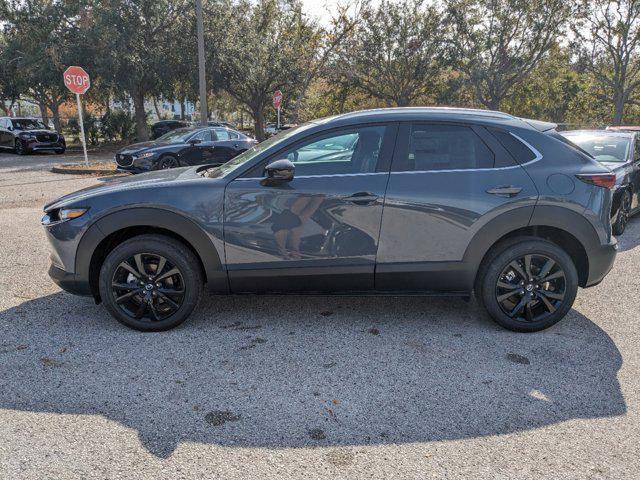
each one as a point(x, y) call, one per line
point(41, 41)
point(396, 52)
point(133, 37)
point(608, 40)
point(499, 42)
point(257, 48)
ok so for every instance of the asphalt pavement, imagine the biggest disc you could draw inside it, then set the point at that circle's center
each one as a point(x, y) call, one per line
point(306, 387)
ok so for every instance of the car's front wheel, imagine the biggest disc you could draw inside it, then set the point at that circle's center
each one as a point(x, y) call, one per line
point(168, 162)
point(20, 147)
point(527, 285)
point(151, 282)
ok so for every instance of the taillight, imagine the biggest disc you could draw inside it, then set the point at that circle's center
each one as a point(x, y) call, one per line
point(604, 180)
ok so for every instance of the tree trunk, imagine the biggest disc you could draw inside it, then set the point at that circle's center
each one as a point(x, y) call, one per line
point(43, 112)
point(142, 133)
point(618, 106)
point(55, 110)
point(157, 109)
point(182, 109)
point(258, 123)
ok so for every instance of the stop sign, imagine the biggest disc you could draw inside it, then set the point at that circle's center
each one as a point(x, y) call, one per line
point(76, 79)
point(277, 99)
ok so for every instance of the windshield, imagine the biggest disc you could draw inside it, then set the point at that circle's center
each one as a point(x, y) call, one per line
point(604, 148)
point(28, 124)
point(231, 165)
point(178, 135)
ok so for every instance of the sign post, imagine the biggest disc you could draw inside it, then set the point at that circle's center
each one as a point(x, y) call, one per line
point(277, 101)
point(77, 81)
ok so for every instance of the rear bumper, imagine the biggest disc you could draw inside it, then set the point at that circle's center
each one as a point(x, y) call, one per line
point(69, 281)
point(601, 262)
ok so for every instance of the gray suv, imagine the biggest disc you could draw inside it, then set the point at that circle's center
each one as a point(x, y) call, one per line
point(393, 201)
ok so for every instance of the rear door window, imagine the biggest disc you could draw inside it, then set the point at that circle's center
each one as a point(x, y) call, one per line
point(443, 147)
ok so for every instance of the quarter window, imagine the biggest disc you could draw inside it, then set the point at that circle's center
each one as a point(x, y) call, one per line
point(445, 147)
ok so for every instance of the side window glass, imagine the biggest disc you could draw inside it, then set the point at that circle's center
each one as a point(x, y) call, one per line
point(636, 157)
point(446, 147)
point(222, 134)
point(203, 136)
point(233, 135)
point(345, 152)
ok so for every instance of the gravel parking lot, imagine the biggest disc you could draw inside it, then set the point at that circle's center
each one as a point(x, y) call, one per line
point(297, 387)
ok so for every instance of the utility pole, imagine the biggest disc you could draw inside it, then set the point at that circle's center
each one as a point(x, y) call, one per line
point(201, 71)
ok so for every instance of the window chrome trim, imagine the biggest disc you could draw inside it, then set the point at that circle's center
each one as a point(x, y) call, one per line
point(529, 146)
point(320, 176)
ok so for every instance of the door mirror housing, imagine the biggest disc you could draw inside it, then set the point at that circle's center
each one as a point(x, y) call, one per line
point(280, 170)
point(195, 141)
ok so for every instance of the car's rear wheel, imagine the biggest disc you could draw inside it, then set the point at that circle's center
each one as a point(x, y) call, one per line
point(168, 162)
point(528, 285)
point(20, 147)
point(622, 218)
point(151, 282)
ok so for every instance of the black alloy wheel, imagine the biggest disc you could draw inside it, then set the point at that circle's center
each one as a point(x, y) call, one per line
point(151, 282)
point(148, 286)
point(168, 162)
point(20, 148)
point(531, 288)
point(623, 214)
point(527, 284)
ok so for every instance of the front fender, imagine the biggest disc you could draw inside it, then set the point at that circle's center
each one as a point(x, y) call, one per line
point(191, 232)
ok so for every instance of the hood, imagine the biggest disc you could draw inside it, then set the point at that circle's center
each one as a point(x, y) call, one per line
point(137, 147)
point(129, 182)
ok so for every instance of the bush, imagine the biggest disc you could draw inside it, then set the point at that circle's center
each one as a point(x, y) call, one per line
point(117, 125)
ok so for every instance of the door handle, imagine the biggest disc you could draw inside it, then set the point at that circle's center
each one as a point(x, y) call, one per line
point(505, 191)
point(361, 198)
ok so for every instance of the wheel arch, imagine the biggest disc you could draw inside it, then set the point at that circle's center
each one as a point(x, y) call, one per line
point(569, 230)
point(115, 228)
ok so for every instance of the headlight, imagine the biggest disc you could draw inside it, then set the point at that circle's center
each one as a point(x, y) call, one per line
point(62, 215)
point(145, 155)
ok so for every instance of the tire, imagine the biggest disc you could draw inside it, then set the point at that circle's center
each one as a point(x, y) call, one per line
point(169, 300)
point(168, 162)
point(60, 152)
point(539, 304)
point(20, 149)
point(622, 218)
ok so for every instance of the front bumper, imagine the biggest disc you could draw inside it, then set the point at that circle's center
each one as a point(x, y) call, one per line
point(69, 281)
point(131, 169)
point(601, 262)
point(34, 146)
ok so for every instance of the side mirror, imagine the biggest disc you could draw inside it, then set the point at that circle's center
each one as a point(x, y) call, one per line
point(195, 141)
point(281, 170)
point(10, 128)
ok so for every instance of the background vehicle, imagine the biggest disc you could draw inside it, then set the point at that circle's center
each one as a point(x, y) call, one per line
point(183, 147)
point(473, 201)
point(219, 123)
point(26, 135)
point(165, 126)
point(624, 128)
point(618, 150)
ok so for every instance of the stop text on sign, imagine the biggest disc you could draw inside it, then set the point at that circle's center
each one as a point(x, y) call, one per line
point(76, 79)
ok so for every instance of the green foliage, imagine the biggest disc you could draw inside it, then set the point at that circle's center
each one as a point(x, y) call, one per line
point(396, 52)
point(117, 125)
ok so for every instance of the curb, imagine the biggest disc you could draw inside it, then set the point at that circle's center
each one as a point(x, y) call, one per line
point(72, 170)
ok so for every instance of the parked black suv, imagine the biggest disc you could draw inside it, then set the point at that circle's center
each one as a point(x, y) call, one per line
point(413, 200)
point(26, 135)
point(165, 126)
